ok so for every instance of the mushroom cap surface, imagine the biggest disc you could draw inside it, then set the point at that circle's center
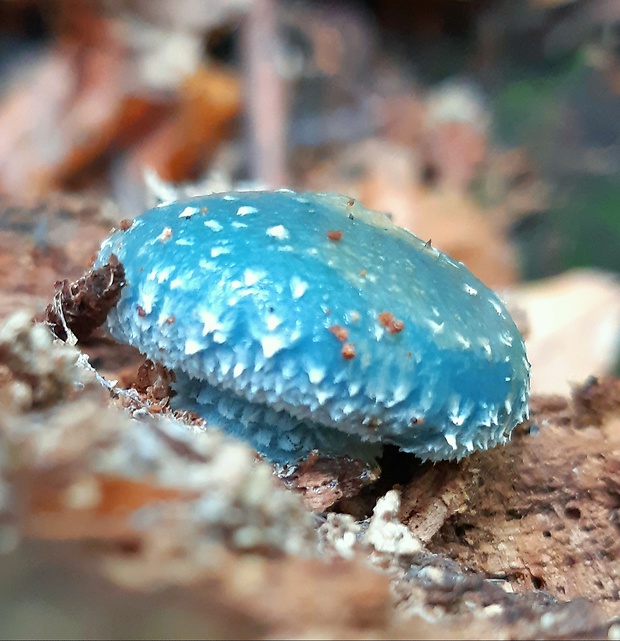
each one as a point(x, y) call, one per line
point(301, 318)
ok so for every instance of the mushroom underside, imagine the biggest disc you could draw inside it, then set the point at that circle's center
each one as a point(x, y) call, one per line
point(275, 434)
point(283, 438)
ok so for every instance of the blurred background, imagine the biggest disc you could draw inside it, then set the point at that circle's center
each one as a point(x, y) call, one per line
point(491, 127)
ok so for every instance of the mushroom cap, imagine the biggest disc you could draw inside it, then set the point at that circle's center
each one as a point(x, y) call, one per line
point(309, 316)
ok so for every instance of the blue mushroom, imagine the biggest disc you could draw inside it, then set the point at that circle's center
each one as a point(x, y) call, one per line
point(303, 321)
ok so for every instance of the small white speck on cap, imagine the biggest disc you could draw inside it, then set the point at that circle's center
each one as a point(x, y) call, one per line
point(192, 346)
point(163, 318)
point(166, 234)
point(273, 322)
point(278, 231)
point(497, 307)
point(209, 322)
point(450, 440)
point(400, 393)
point(206, 264)
point(354, 388)
point(238, 225)
point(506, 339)
point(324, 395)
point(164, 274)
point(316, 375)
point(238, 369)
point(147, 299)
point(437, 328)
point(244, 210)
point(271, 345)
point(349, 408)
point(458, 414)
point(213, 225)
point(229, 197)
point(452, 263)
point(251, 277)
point(188, 212)
point(218, 251)
point(470, 290)
point(298, 287)
point(463, 341)
point(185, 242)
point(226, 363)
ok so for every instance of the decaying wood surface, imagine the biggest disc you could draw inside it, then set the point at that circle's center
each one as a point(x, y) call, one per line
point(542, 512)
